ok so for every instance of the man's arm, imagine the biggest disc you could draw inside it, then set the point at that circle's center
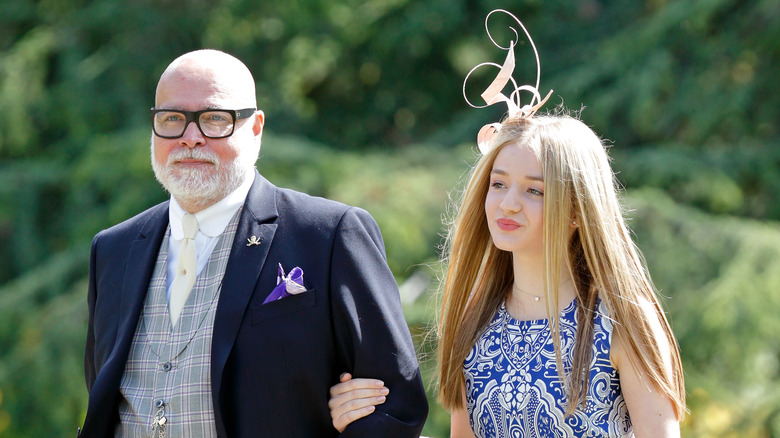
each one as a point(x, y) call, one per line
point(372, 335)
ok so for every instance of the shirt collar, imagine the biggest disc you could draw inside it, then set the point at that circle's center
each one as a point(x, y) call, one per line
point(213, 220)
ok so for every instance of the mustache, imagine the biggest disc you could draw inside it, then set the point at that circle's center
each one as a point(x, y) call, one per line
point(193, 154)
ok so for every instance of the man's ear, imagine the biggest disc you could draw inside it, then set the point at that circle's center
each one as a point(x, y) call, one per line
point(259, 122)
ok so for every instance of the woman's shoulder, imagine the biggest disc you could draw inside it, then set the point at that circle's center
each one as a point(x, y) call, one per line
point(652, 325)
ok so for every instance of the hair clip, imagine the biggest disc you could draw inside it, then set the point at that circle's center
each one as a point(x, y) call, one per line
point(493, 93)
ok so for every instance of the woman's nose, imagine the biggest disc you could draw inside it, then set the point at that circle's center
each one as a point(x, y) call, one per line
point(511, 201)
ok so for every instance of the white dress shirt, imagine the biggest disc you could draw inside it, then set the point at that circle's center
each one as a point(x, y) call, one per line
point(212, 222)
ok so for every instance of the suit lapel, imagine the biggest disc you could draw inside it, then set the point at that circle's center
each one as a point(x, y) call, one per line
point(247, 258)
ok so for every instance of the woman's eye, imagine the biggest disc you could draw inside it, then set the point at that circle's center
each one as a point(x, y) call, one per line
point(497, 184)
point(536, 192)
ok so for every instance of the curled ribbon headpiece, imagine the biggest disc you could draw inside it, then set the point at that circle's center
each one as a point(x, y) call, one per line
point(493, 94)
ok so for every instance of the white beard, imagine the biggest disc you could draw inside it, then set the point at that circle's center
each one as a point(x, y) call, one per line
point(201, 187)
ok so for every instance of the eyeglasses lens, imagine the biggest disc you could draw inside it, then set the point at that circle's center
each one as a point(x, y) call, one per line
point(214, 124)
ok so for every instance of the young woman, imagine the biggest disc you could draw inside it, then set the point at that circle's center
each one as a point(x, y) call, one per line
point(550, 324)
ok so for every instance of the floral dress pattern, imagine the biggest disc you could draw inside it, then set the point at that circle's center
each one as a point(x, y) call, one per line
point(512, 384)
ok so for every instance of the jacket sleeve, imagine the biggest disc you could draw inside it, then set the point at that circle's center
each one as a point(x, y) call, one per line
point(89, 350)
point(371, 331)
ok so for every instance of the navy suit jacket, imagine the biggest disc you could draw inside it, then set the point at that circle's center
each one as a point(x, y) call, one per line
point(272, 364)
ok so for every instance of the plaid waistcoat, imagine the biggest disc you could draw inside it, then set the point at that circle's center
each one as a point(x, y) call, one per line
point(168, 371)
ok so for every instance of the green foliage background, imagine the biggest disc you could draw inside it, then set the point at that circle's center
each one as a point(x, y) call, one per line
point(363, 103)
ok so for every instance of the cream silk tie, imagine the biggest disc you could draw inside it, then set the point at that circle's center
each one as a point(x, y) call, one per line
point(186, 269)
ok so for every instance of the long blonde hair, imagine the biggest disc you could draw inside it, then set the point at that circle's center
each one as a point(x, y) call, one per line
point(600, 256)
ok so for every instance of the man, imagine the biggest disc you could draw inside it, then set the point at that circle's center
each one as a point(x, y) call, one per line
point(186, 335)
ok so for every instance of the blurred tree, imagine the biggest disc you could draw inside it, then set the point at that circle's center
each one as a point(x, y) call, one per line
point(721, 277)
point(363, 103)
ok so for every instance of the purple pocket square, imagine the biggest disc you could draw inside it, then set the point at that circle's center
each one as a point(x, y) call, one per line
point(286, 285)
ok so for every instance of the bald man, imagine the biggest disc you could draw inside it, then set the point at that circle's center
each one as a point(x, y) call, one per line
point(230, 310)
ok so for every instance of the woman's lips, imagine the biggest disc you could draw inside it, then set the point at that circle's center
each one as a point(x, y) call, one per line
point(507, 224)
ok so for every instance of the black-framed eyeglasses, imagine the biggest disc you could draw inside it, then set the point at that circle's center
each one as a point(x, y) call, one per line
point(213, 123)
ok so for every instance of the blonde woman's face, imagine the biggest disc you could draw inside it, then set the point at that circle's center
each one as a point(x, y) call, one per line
point(514, 204)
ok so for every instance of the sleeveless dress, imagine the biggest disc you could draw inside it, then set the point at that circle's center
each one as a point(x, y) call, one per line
point(512, 384)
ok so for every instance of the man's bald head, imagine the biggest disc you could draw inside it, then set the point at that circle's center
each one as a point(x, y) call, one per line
point(230, 79)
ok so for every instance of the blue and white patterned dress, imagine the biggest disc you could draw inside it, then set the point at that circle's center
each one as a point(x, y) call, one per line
point(512, 384)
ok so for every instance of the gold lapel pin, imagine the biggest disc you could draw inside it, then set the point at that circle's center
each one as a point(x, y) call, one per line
point(254, 240)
